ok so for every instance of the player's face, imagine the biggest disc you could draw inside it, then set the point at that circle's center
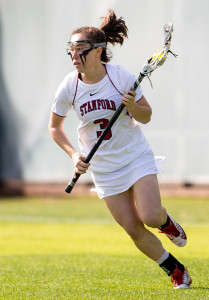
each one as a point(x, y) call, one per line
point(81, 59)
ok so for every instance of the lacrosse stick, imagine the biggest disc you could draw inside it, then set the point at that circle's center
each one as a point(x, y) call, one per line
point(153, 63)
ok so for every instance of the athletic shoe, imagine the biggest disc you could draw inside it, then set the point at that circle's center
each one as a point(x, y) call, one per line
point(175, 233)
point(181, 280)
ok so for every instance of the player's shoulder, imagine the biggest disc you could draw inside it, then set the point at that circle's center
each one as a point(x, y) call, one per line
point(119, 71)
point(122, 78)
point(70, 78)
point(67, 85)
point(115, 68)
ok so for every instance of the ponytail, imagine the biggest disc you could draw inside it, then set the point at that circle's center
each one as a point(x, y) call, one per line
point(112, 30)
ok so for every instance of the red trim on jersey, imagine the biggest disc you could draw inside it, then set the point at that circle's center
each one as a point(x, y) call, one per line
point(58, 115)
point(112, 82)
point(76, 88)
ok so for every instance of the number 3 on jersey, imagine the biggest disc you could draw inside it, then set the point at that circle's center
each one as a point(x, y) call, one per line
point(103, 123)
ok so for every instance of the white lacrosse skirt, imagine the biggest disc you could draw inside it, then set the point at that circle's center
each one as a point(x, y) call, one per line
point(113, 183)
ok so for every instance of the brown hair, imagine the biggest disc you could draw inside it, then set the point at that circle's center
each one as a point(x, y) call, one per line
point(113, 30)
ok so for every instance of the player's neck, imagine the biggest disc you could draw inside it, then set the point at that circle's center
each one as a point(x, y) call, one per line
point(94, 75)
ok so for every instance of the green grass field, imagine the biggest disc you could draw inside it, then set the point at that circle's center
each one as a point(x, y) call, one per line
point(71, 248)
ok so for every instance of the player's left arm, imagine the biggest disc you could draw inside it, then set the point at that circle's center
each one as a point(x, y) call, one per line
point(140, 110)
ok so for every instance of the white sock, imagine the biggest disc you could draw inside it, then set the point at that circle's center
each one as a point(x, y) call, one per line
point(163, 258)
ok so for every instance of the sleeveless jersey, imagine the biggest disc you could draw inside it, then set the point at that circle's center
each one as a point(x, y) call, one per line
point(94, 105)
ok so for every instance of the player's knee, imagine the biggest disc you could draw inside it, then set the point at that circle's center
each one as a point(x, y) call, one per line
point(134, 230)
point(153, 220)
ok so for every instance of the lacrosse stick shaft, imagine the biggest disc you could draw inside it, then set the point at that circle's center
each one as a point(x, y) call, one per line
point(71, 184)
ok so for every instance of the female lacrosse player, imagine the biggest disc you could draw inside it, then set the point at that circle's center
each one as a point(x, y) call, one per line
point(124, 167)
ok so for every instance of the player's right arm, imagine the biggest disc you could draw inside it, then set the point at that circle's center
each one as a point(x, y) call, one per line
point(59, 136)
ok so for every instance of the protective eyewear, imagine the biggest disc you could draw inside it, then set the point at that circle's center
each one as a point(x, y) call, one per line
point(83, 45)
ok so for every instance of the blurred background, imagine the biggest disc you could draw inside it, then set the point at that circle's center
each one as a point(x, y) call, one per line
point(33, 62)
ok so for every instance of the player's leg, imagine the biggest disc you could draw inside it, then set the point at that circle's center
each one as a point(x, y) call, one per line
point(123, 209)
point(152, 213)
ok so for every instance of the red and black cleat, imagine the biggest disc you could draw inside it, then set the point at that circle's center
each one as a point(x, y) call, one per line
point(181, 280)
point(175, 233)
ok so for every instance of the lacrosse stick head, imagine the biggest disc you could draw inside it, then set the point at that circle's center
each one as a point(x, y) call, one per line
point(167, 29)
point(159, 57)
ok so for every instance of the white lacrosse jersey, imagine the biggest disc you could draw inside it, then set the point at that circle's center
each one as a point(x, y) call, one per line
point(94, 105)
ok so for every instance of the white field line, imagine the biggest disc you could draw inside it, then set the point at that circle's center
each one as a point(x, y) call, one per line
point(45, 219)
